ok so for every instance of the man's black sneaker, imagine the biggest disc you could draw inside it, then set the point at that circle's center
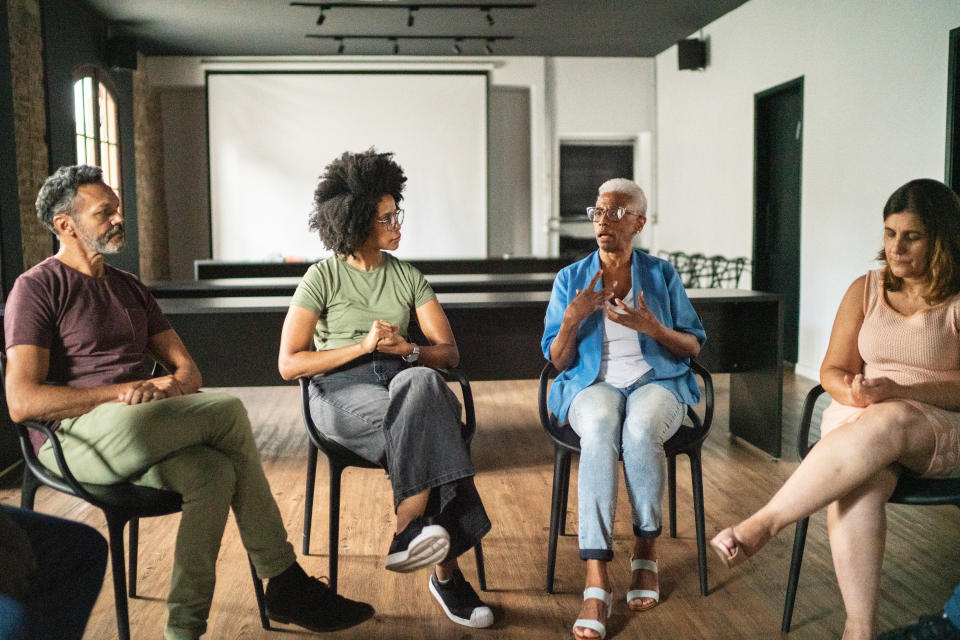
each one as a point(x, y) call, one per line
point(926, 628)
point(293, 597)
point(419, 545)
point(460, 602)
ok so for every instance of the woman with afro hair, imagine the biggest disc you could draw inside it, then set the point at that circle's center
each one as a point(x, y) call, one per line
point(346, 329)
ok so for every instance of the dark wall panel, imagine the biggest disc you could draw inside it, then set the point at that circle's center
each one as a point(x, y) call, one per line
point(11, 256)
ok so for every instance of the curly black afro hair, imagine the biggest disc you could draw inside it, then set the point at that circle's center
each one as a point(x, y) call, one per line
point(345, 201)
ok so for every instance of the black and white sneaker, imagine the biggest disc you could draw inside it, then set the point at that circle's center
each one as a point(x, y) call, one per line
point(419, 545)
point(460, 602)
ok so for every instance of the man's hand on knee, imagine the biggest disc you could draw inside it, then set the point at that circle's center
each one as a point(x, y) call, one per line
point(152, 389)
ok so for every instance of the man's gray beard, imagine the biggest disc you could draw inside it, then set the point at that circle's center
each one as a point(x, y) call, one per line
point(103, 243)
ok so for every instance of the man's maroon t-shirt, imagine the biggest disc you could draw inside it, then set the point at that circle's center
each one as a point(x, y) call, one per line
point(97, 329)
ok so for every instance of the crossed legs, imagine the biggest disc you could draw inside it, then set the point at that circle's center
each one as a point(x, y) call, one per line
point(853, 469)
point(202, 447)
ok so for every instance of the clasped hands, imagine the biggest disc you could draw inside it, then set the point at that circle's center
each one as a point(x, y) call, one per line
point(866, 391)
point(151, 389)
point(640, 318)
point(385, 337)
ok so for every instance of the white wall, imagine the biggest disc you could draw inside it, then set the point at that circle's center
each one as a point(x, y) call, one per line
point(604, 99)
point(875, 83)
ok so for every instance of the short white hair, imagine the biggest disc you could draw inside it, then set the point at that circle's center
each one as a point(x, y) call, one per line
point(628, 188)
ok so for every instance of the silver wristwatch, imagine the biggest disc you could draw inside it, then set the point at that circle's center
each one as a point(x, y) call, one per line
point(414, 355)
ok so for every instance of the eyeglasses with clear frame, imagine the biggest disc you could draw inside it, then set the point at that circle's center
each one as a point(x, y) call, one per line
point(595, 213)
point(392, 220)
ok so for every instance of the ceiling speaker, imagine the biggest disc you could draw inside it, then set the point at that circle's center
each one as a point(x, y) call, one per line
point(692, 54)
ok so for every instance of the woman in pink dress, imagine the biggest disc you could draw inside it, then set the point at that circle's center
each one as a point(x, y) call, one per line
point(892, 369)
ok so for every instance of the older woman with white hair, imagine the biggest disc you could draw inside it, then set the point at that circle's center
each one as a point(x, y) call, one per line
point(621, 331)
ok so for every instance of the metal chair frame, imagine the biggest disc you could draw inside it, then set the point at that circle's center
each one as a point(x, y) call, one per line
point(340, 457)
point(687, 441)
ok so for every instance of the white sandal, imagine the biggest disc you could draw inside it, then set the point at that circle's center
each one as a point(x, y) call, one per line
point(606, 597)
point(637, 564)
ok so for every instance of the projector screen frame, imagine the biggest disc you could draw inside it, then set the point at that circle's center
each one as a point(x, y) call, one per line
point(483, 74)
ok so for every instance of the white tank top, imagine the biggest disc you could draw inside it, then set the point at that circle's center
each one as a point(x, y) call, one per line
point(621, 358)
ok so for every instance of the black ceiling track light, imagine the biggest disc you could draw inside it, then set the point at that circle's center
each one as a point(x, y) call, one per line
point(411, 7)
point(484, 7)
point(340, 39)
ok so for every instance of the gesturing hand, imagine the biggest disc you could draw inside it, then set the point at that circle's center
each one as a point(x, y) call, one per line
point(588, 300)
point(640, 319)
point(379, 330)
point(868, 391)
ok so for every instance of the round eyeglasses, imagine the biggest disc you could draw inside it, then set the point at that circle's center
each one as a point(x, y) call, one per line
point(394, 219)
point(595, 213)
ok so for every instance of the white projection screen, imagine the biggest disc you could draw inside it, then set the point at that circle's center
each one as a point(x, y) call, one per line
point(272, 134)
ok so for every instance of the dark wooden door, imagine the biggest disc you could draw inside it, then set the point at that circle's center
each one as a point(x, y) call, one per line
point(778, 137)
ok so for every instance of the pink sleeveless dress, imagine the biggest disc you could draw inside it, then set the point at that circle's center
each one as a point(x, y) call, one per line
point(923, 347)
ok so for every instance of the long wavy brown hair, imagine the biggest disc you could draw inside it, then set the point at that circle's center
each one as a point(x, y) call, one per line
point(938, 208)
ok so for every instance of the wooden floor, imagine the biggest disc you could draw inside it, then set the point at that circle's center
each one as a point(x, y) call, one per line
point(514, 474)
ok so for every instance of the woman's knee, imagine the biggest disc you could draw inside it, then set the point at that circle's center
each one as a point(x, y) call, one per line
point(598, 423)
point(889, 424)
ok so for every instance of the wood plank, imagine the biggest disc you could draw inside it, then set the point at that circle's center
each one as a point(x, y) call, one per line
point(514, 463)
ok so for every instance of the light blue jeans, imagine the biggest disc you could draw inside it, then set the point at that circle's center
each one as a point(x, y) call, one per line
point(635, 421)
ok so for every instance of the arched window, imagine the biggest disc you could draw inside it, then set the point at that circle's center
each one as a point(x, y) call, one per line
point(95, 113)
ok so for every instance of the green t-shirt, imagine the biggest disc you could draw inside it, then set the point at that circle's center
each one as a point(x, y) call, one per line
point(349, 300)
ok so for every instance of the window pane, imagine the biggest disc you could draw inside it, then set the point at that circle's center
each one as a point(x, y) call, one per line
point(81, 150)
point(115, 167)
point(78, 106)
point(111, 119)
point(102, 107)
point(88, 109)
point(91, 157)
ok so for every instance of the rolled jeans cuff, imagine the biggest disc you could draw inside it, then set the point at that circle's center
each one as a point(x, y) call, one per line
point(645, 533)
point(606, 555)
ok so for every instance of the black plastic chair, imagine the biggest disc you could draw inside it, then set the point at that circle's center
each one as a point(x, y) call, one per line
point(687, 440)
point(910, 489)
point(339, 458)
point(121, 503)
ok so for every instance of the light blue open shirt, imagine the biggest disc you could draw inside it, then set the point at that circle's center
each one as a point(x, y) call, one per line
point(665, 297)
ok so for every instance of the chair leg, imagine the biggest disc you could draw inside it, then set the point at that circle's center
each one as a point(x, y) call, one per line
point(561, 459)
point(115, 529)
point(132, 565)
point(565, 500)
point(672, 493)
point(335, 472)
point(799, 540)
point(308, 496)
point(258, 591)
point(696, 481)
point(28, 490)
point(481, 572)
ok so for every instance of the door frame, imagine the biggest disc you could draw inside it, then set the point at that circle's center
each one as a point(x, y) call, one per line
point(952, 169)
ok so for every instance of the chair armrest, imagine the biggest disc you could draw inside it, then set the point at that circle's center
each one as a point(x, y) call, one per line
point(66, 481)
point(803, 432)
point(546, 373)
point(708, 396)
point(455, 374)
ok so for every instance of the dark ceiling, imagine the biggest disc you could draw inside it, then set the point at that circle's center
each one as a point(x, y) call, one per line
point(275, 27)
